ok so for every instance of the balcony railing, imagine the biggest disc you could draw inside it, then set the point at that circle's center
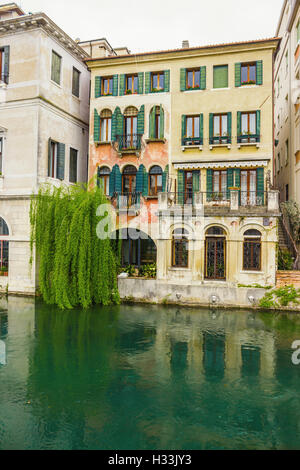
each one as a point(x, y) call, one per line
point(186, 141)
point(130, 141)
point(248, 139)
point(220, 140)
point(253, 198)
point(126, 201)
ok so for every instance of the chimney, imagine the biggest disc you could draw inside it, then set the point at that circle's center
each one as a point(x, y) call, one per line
point(185, 44)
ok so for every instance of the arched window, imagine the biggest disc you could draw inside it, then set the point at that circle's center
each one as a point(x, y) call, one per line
point(156, 123)
point(215, 253)
point(105, 125)
point(252, 251)
point(155, 180)
point(103, 179)
point(4, 248)
point(129, 179)
point(180, 248)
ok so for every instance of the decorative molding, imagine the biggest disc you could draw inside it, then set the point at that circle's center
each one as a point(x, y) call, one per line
point(198, 166)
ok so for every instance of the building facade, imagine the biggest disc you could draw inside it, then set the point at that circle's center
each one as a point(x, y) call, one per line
point(182, 143)
point(44, 113)
point(287, 103)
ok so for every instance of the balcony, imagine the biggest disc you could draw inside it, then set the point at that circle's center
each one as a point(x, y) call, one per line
point(220, 141)
point(248, 139)
point(127, 202)
point(192, 142)
point(129, 143)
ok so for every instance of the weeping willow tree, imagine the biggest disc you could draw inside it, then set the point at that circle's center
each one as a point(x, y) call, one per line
point(76, 268)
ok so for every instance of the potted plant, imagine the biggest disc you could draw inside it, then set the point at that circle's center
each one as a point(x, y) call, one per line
point(128, 92)
point(3, 271)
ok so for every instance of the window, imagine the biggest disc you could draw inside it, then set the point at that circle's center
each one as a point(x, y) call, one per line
point(252, 251)
point(248, 74)
point(215, 253)
point(107, 86)
point(248, 128)
point(156, 123)
point(4, 64)
point(287, 196)
point(4, 248)
point(130, 139)
point(287, 151)
point(279, 163)
point(220, 129)
point(56, 68)
point(1, 155)
point(219, 185)
point(75, 82)
point(56, 160)
point(192, 128)
point(221, 76)
point(180, 247)
point(132, 84)
point(249, 195)
point(52, 169)
point(103, 179)
point(157, 81)
point(129, 179)
point(155, 180)
point(193, 79)
point(73, 166)
point(105, 125)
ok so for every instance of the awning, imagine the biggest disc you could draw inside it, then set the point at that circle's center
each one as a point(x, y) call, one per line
point(207, 165)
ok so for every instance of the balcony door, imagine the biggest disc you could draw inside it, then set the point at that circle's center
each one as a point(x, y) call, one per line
point(129, 179)
point(131, 132)
point(188, 187)
point(248, 187)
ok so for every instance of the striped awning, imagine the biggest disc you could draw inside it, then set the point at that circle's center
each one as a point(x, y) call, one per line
point(208, 165)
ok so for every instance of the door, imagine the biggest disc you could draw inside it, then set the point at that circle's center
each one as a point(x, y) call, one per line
point(248, 187)
point(130, 132)
point(215, 258)
point(188, 187)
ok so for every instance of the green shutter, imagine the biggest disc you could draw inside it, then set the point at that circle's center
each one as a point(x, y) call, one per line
point(115, 85)
point(211, 128)
point(141, 121)
point(122, 85)
point(229, 126)
point(239, 124)
point(209, 184)
point(147, 82)
point(183, 128)
point(258, 125)
point(60, 165)
point(49, 158)
point(182, 79)
point(165, 179)
point(114, 126)
point(259, 72)
point(120, 121)
point(196, 181)
point(6, 64)
point(140, 179)
point(238, 72)
point(201, 128)
point(118, 179)
point(112, 181)
point(221, 76)
point(167, 81)
point(97, 87)
point(96, 126)
point(180, 186)
point(229, 181)
point(260, 184)
point(145, 183)
point(203, 77)
point(152, 123)
point(141, 83)
point(162, 123)
point(237, 178)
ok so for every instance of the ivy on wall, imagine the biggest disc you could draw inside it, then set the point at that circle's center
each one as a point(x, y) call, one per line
point(76, 268)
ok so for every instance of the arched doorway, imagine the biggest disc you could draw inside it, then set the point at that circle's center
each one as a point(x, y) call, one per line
point(138, 249)
point(215, 254)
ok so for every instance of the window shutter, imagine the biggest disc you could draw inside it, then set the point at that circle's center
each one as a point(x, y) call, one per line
point(114, 126)
point(147, 82)
point(211, 128)
point(237, 178)
point(182, 79)
point(115, 85)
point(238, 73)
point(259, 72)
point(260, 182)
point(122, 85)
point(201, 128)
point(152, 123)
point(140, 179)
point(145, 183)
point(165, 179)
point(209, 184)
point(96, 126)
point(196, 181)
point(203, 78)
point(229, 126)
point(6, 64)
point(49, 158)
point(221, 76)
point(229, 181)
point(118, 179)
point(119, 122)
point(97, 87)
point(141, 121)
point(141, 83)
point(258, 125)
point(60, 166)
point(239, 123)
point(183, 128)
point(167, 81)
point(180, 186)
point(162, 123)
point(112, 181)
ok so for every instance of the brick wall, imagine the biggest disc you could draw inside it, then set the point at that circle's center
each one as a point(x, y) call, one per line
point(285, 278)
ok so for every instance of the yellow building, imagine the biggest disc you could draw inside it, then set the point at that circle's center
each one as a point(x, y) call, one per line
point(189, 133)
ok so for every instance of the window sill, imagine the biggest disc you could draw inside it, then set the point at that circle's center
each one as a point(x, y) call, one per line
point(251, 272)
point(152, 139)
point(193, 89)
point(56, 84)
point(158, 91)
point(248, 144)
point(211, 147)
point(253, 85)
point(179, 269)
point(191, 147)
point(220, 89)
point(103, 143)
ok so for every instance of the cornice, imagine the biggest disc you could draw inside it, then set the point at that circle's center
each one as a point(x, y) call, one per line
point(40, 20)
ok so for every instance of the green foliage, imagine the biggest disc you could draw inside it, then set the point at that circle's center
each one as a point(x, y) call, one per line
point(285, 260)
point(130, 269)
point(76, 267)
point(281, 297)
point(292, 210)
point(255, 286)
point(148, 270)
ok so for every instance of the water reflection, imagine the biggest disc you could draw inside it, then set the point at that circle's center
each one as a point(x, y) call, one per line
point(147, 377)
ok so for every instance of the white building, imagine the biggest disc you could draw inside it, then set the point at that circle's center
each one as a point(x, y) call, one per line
point(44, 115)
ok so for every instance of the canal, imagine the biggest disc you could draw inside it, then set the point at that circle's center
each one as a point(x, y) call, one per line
point(147, 377)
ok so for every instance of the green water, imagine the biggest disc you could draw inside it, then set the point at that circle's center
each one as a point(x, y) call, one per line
point(147, 377)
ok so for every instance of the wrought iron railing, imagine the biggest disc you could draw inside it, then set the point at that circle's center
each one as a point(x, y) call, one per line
point(248, 138)
point(219, 140)
point(130, 141)
point(186, 141)
point(212, 196)
point(128, 200)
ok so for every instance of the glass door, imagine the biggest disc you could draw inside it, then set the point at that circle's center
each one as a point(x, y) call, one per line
point(188, 190)
point(248, 187)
